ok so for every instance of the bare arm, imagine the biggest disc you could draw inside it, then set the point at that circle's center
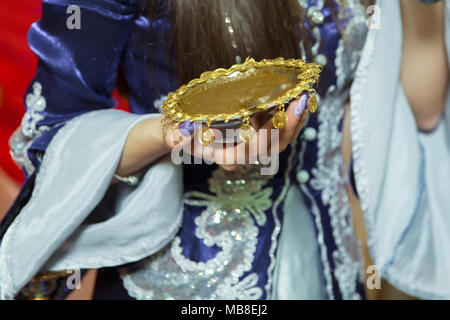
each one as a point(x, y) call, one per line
point(424, 68)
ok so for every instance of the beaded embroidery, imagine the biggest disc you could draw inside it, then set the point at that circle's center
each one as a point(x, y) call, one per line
point(328, 174)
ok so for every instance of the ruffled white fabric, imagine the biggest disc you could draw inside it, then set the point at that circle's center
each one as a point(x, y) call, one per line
point(75, 174)
point(402, 175)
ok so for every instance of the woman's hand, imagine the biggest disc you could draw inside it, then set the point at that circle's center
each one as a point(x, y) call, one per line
point(266, 142)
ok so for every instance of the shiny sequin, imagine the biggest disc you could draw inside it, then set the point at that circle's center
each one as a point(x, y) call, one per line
point(317, 17)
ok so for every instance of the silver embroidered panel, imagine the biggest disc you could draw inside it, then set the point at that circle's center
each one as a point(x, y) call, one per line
point(234, 210)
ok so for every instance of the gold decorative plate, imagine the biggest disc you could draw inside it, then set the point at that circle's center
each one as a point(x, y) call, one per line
point(228, 96)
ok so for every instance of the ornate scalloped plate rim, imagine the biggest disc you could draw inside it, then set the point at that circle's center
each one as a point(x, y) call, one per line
point(308, 76)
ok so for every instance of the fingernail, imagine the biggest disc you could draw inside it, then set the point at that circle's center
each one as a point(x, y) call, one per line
point(301, 105)
point(187, 128)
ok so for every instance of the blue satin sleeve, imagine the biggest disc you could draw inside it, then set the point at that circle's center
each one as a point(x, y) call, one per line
point(77, 68)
